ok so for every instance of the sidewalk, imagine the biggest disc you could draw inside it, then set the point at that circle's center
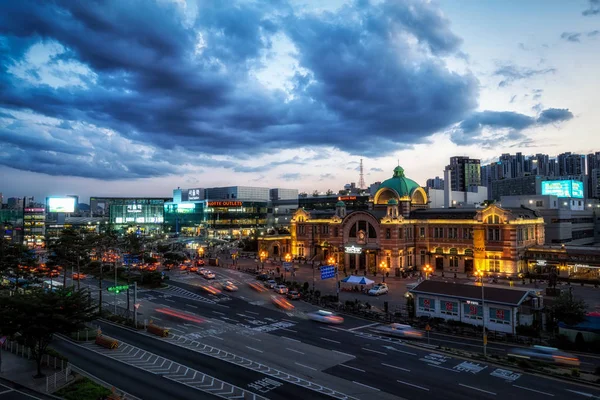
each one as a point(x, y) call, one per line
point(20, 370)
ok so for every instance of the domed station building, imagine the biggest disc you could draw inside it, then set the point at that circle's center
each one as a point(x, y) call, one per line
point(399, 233)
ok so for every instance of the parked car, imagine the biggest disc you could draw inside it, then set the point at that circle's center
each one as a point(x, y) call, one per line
point(293, 295)
point(193, 269)
point(326, 317)
point(229, 286)
point(543, 353)
point(271, 284)
point(281, 289)
point(379, 289)
point(263, 277)
point(400, 330)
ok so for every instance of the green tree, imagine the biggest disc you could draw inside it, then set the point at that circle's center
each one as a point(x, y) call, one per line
point(37, 316)
point(18, 262)
point(568, 309)
point(105, 245)
point(69, 251)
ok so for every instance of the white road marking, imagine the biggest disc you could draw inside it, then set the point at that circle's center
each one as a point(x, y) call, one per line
point(364, 326)
point(176, 330)
point(533, 390)
point(289, 338)
point(295, 351)
point(218, 312)
point(216, 337)
point(288, 330)
point(367, 386)
point(305, 366)
point(191, 305)
point(413, 385)
point(288, 320)
point(172, 301)
point(252, 312)
point(447, 369)
point(342, 353)
point(399, 351)
point(252, 348)
point(581, 393)
point(156, 318)
point(394, 366)
point(474, 388)
point(351, 367)
point(374, 351)
point(330, 340)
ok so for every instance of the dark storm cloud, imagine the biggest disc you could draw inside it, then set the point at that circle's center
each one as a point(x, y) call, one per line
point(593, 9)
point(488, 128)
point(511, 73)
point(182, 87)
point(552, 115)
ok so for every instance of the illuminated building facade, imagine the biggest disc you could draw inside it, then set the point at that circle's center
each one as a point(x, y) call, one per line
point(400, 232)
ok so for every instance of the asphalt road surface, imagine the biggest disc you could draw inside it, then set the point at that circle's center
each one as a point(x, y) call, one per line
point(351, 357)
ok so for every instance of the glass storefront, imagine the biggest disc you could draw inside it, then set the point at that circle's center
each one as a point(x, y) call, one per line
point(235, 218)
point(186, 219)
point(143, 216)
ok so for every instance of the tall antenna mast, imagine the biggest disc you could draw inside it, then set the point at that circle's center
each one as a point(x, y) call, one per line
point(361, 180)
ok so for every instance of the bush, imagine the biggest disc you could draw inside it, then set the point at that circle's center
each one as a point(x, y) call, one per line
point(575, 373)
point(53, 353)
point(83, 389)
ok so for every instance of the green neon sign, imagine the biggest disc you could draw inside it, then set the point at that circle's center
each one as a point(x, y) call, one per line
point(117, 289)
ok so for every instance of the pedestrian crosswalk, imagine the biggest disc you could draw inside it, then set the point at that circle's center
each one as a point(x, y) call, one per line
point(180, 292)
point(171, 370)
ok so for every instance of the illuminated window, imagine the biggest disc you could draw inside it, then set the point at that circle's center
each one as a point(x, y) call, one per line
point(422, 232)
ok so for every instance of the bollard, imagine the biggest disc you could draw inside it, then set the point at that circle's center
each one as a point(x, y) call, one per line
point(157, 330)
point(107, 342)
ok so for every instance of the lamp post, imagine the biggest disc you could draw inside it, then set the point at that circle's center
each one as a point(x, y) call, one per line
point(428, 270)
point(383, 268)
point(288, 258)
point(481, 275)
point(331, 261)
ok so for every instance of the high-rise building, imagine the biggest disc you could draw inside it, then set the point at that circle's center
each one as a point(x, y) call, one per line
point(571, 164)
point(593, 170)
point(465, 173)
point(435, 183)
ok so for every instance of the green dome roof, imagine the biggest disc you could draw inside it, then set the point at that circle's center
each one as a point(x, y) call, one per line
point(400, 183)
point(392, 202)
point(340, 204)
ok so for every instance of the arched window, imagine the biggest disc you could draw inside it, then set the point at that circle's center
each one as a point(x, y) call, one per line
point(372, 232)
point(453, 250)
point(353, 231)
point(493, 219)
point(439, 250)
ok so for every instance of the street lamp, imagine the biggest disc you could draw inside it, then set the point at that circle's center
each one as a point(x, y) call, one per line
point(331, 261)
point(428, 270)
point(383, 268)
point(481, 274)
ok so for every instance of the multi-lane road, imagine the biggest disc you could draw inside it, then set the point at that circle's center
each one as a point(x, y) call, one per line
point(238, 345)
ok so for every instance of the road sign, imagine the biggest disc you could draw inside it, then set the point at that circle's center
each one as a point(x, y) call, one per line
point(287, 266)
point(117, 289)
point(427, 328)
point(327, 271)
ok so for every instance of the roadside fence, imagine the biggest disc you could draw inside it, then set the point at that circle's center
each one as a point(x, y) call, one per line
point(25, 352)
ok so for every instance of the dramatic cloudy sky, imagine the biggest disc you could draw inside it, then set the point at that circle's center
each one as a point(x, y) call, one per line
point(135, 97)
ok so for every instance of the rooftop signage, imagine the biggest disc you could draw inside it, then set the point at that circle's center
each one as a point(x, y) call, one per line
point(224, 204)
point(346, 198)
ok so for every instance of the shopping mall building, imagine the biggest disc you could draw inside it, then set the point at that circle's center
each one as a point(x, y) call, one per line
point(400, 232)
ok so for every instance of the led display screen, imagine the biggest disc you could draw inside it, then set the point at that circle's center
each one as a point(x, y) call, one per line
point(564, 188)
point(61, 204)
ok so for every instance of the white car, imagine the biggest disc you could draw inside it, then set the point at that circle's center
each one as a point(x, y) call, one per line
point(326, 317)
point(379, 289)
point(209, 275)
point(399, 330)
point(271, 284)
point(281, 289)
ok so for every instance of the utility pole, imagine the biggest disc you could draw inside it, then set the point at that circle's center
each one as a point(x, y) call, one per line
point(135, 304)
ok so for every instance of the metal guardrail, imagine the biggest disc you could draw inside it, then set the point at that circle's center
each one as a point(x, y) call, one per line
point(25, 352)
point(59, 379)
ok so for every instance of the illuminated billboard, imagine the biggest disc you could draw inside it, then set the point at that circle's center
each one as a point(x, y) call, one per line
point(61, 204)
point(564, 188)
